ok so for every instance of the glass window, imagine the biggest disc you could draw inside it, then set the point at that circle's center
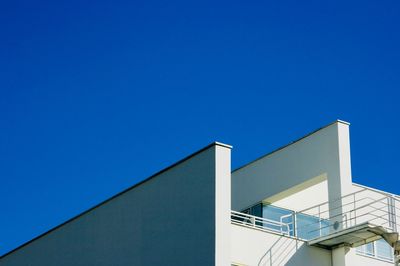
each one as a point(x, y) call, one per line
point(367, 249)
point(256, 210)
point(278, 215)
point(384, 250)
point(282, 220)
point(310, 227)
point(378, 249)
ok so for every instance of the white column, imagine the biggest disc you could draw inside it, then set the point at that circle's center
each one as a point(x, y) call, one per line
point(222, 204)
point(339, 185)
point(339, 256)
point(339, 179)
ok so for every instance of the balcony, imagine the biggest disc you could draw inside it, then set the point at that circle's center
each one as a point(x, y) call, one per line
point(355, 220)
point(294, 224)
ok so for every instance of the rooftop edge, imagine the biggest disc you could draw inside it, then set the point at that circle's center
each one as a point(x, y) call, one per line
point(215, 143)
point(290, 143)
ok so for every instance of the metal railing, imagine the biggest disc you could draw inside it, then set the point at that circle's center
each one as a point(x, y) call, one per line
point(357, 208)
point(364, 206)
point(260, 223)
point(379, 209)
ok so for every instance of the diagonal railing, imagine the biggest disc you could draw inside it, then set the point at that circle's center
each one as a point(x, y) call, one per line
point(357, 208)
point(379, 209)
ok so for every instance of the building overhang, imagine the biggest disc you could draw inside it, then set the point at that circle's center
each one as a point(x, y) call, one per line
point(353, 236)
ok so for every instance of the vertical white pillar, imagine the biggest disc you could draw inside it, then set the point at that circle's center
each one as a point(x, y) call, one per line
point(222, 204)
point(339, 178)
point(339, 185)
point(339, 256)
point(344, 158)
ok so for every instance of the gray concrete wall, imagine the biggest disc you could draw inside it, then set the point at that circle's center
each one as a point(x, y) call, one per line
point(169, 219)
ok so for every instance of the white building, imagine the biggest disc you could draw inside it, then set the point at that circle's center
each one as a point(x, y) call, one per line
point(294, 206)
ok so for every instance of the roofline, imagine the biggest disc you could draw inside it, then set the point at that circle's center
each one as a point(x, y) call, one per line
point(293, 142)
point(117, 195)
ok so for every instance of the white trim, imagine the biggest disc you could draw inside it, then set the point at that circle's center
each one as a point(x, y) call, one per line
point(343, 122)
point(223, 144)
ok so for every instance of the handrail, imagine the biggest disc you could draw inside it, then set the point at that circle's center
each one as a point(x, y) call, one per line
point(381, 209)
point(335, 200)
point(387, 195)
point(245, 215)
point(352, 218)
point(342, 205)
point(373, 210)
point(358, 208)
point(254, 221)
point(392, 208)
point(344, 221)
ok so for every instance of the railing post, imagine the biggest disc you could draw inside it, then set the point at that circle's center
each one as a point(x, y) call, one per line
point(319, 220)
point(319, 211)
point(391, 213)
point(354, 204)
point(344, 221)
point(320, 227)
point(253, 221)
point(395, 215)
point(294, 224)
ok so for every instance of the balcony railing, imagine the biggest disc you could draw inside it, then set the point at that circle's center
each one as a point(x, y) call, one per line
point(329, 221)
point(326, 218)
point(358, 208)
point(260, 223)
point(294, 224)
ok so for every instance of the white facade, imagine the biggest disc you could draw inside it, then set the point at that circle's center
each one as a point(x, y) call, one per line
point(294, 206)
point(309, 179)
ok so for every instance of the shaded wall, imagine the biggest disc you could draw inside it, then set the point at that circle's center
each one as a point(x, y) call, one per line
point(168, 220)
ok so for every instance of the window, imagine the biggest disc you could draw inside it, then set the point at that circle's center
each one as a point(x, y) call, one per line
point(383, 250)
point(278, 215)
point(378, 249)
point(367, 249)
point(288, 222)
point(310, 227)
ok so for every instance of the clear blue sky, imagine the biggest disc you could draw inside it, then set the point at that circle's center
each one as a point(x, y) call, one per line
point(98, 95)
